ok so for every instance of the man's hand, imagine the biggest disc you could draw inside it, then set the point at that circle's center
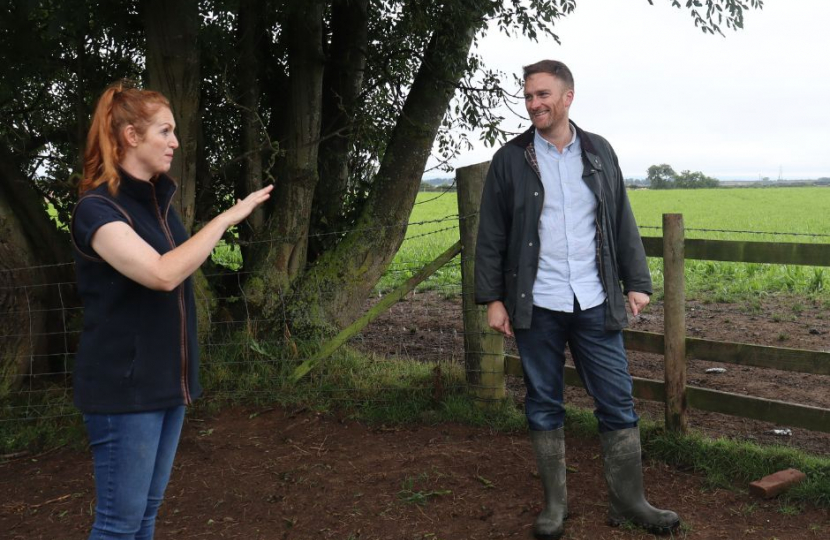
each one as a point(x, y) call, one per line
point(498, 319)
point(638, 301)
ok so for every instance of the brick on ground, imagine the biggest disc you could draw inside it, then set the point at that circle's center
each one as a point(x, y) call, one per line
point(776, 483)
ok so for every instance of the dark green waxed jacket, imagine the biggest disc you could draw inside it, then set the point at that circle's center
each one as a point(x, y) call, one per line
point(507, 250)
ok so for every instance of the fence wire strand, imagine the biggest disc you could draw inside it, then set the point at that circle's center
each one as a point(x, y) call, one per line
point(229, 340)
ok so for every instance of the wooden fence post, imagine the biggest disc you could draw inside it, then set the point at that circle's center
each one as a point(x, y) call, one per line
point(674, 322)
point(483, 348)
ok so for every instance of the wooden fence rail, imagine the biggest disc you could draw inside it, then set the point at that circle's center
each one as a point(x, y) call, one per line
point(674, 248)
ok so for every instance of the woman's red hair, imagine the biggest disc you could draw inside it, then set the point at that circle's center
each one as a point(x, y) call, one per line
point(121, 105)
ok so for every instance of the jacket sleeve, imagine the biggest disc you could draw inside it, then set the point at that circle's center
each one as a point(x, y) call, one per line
point(493, 232)
point(631, 256)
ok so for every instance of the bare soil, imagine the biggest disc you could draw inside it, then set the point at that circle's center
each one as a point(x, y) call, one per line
point(294, 474)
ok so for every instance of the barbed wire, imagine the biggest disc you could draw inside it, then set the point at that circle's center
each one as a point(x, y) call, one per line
point(446, 344)
point(447, 189)
point(451, 217)
point(738, 231)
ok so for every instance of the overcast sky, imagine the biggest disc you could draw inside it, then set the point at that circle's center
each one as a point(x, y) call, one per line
point(754, 103)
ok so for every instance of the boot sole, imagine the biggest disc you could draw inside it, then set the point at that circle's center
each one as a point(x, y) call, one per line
point(555, 536)
point(551, 536)
point(659, 530)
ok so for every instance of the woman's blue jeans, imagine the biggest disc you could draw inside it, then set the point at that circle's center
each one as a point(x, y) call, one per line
point(133, 457)
point(599, 357)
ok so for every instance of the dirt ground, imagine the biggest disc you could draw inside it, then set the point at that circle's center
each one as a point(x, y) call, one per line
point(293, 474)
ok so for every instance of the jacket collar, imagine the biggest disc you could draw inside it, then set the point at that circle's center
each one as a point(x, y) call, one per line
point(161, 189)
point(590, 159)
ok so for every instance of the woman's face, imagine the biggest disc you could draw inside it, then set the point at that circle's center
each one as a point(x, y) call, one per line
point(153, 153)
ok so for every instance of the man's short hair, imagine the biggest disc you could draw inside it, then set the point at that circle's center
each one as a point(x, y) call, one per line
point(553, 67)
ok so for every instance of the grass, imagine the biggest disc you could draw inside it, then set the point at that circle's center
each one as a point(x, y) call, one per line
point(781, 214)
point(408, 495)
point(726, 462)
point(433, 227)
point(773, 211)
point(39, 419)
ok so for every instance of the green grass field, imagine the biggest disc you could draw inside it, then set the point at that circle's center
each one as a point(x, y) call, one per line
point(433, 227)
point(782, 214)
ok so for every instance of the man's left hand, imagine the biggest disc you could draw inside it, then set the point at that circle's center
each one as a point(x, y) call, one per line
point(638, 301)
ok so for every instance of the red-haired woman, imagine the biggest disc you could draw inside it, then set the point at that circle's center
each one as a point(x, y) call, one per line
point(137, 363)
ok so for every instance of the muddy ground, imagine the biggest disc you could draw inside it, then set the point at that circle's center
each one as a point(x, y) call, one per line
point(294, 474)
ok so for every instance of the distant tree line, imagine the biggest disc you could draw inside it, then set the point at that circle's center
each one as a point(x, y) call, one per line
point(664, 177)
point(426, 186)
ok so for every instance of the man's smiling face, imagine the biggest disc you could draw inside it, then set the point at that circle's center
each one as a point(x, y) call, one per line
point(547, 100)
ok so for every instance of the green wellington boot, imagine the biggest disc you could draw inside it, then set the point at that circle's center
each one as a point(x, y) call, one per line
point(549, 447)
point(622, 462)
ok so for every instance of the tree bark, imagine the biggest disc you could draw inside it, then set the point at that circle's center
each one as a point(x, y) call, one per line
point(333, 291)
point(173, 68)
point(342, 84)
point(251, 32)
point(285, 256)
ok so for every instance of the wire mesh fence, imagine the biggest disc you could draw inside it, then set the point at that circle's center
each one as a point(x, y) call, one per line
point(418, 344)
point(244, 355)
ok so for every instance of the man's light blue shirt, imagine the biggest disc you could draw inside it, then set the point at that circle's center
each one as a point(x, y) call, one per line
point(567, 231)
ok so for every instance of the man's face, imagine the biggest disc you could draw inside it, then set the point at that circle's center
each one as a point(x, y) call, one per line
point(547, 101)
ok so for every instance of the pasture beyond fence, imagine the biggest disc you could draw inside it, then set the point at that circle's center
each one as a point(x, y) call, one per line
point(487, 363)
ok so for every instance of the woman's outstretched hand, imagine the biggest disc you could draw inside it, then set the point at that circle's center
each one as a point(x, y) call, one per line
point(243, 207)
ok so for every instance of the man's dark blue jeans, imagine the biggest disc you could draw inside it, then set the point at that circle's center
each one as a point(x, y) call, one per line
point(599, 357)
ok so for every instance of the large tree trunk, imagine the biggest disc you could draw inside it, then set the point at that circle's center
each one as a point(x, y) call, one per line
point(251, 32)
point(342, 84)
point(33, 254)
point(172, 28)
point(288, 225)
point(333, 291)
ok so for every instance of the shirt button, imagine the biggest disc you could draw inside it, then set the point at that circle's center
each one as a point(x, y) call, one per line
point(530, 244)
point(514, 275)
point(535, 193)
point(523, 295)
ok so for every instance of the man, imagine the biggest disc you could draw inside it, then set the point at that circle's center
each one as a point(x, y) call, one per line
point(556, 239)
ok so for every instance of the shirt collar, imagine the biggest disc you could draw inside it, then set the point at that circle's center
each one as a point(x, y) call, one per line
point(572, 146)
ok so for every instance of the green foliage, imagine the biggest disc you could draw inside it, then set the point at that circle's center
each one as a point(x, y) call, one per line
point(664, 177)
point(660, 176)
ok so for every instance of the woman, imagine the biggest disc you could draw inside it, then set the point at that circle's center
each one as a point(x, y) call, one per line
point(137, 363)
